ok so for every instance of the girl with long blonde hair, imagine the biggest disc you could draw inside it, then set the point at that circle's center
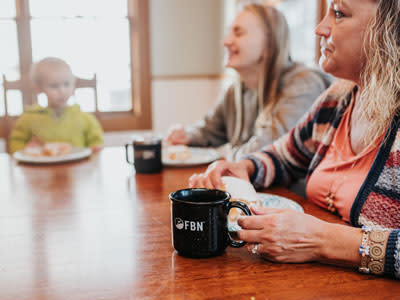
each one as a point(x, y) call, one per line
point(270, 94)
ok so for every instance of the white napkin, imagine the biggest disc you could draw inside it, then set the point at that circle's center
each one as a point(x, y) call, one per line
point(240, 189)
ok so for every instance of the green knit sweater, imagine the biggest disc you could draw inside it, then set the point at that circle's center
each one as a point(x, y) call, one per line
point(74, 126)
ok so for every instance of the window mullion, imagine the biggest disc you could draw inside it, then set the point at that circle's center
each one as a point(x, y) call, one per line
point(138, 14)
point(25, 48)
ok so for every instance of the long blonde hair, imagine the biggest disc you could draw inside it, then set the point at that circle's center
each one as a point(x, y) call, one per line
point(381, 74)
point(276, 62)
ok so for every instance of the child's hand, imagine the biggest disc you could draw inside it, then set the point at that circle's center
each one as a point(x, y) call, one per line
point(35, 142)
point(96, 148)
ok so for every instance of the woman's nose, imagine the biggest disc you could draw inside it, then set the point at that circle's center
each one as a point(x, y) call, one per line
point(227, 40)
point(323, 28)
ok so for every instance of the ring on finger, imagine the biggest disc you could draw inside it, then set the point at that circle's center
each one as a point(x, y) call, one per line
point(255, 249)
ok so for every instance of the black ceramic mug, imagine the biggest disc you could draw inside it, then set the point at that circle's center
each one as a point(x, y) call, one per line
point(146, 155)
point(199, 222)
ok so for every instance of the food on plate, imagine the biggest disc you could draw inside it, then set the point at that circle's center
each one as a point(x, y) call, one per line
point(48, 149)
point(240, 190)
point(56, 149)
point(178, 152)
point(33, 151)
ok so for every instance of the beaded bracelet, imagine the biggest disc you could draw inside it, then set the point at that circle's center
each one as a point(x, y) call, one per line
point(377, 252)
point(364, 250)
point(372, 251)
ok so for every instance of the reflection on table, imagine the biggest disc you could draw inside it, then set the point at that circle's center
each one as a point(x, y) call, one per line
point(93, 229)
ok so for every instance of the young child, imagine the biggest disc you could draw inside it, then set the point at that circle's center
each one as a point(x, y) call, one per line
point(58, 122)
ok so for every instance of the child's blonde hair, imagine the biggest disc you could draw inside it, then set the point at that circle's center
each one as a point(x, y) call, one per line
point(39, 69)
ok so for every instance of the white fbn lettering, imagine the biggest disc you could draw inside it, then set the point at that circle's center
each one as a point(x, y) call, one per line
point(193, 226)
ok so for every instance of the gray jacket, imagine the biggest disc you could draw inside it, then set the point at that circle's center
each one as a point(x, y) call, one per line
point(232, 125)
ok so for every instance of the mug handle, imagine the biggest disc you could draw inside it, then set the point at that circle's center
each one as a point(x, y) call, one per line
point(126, 153)
point(246, 210)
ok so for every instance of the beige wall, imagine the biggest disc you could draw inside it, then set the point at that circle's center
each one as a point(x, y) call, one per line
point(186, 48)
point(186, 37)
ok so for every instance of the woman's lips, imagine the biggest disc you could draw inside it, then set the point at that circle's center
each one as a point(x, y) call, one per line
point(325, 50)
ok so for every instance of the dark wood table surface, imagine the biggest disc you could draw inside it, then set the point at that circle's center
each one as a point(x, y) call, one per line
point(92, 229)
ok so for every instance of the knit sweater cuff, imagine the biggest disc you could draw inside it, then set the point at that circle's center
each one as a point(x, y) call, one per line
point(257, 178)
point(392, 259)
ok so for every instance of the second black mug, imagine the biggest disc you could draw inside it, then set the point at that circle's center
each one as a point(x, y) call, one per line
point(147, 155)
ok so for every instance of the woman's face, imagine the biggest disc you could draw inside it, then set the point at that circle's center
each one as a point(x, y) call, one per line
point(245, 42)
point(342, 31)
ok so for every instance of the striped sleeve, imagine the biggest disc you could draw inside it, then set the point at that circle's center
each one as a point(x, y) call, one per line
point(296, 154)
point(392, 259)
point(289, 157)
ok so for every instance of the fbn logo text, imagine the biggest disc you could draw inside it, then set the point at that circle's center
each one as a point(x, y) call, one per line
point(189, 225)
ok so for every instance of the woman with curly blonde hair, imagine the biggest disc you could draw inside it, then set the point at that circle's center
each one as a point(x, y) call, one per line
point(347, 146)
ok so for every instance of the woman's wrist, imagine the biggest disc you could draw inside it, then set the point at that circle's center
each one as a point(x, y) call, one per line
point(248, 166)
point(339, 245)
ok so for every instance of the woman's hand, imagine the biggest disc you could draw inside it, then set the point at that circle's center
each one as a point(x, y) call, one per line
point(177, 135)
point(283, 235)
point(211, 179)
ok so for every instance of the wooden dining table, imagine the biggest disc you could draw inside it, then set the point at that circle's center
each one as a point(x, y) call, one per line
point(94, 229)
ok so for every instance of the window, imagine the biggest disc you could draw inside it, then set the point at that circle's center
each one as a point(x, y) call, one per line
point(302, 18)
point(302, 36)
point(106, 38)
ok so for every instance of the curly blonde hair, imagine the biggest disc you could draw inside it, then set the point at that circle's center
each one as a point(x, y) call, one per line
point(381, 74)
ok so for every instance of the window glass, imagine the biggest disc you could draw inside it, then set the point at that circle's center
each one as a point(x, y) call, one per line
point(91, 46)
point(9, 63)
point(7, 8)
point(14, 100)
point(85, 98)
point(301, 17)
point(70, 8)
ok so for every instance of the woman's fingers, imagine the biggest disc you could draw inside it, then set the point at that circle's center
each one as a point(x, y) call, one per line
point(195, 180)
point(259, 210)
point(249, 236)
point(200, 181)
point(176, 135)
point(211, 179)
point(215, 172)
point(252, 222)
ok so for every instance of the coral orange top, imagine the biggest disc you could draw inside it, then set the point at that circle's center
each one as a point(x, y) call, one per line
point(341, 172)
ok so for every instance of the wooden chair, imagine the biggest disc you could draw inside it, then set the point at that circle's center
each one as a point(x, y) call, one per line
point(29, 94)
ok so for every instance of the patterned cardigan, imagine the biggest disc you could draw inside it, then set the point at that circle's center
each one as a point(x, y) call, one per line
point(297, 154)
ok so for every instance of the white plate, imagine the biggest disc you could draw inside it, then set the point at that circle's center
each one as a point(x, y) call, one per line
point(198, 156)
point(76, 154)
point(271, 201)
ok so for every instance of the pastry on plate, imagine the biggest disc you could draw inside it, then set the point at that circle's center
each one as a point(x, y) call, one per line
point(56, 149)
point(35, 151)
point(240, 190)
point(48, 149)
point(178, 152)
